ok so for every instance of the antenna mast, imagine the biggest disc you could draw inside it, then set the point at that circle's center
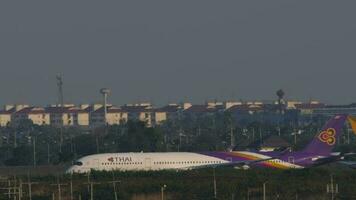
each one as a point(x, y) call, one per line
point(60, 89)
point(60, 102)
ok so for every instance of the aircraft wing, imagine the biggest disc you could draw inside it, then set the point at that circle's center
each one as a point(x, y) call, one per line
point(325, 160)
point(351, 164)
point(248, 162)
point(232, 164)
point(335, 158)
point(349, 155)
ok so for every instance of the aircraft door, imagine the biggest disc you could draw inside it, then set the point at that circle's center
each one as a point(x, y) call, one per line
point(96, 163)
point(147, 163)
point(229, 159)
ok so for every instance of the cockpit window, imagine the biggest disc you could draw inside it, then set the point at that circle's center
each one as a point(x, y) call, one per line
point(78, 163)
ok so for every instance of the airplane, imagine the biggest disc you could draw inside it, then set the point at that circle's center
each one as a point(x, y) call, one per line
point(317, 152)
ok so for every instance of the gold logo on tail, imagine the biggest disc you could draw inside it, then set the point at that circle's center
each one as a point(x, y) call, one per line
point(328, 136)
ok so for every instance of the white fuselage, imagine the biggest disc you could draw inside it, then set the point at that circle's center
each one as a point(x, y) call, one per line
point(143, 161)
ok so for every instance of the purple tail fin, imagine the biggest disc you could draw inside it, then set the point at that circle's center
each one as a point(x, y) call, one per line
point(324, 142)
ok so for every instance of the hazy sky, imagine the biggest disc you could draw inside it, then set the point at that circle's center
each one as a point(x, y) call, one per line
point(167, 51)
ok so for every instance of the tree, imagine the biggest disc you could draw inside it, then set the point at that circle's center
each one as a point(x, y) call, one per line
point(21, 156)
point(140, 138)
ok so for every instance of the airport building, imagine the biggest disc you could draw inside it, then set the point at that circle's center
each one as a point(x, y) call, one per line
point(242, 112)
point(7, 113)
point(309, 108)
point(37, 115)
point(140, 112)
point(68, 116)
point(247, 113)
point(114, 116)
point(198, 112)
point(170, 112)
point(332, 110)
point(5, 117)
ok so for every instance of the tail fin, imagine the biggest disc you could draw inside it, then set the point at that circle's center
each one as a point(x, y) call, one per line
point(324, 142)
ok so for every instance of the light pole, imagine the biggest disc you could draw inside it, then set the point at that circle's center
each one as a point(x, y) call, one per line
point(71, 186)
point(15, 139)
point(34, 151)
point(59, 187)
point(88, 181)
point(332, 188)
point(105, 92)
point(260, 135)
point(348, 136)
point(162, 191)
point(279, 130)
point(29, 184)
point(215, 192)
point(295, 133)
point(48, 152)
point(114, 188)
point(232, 139)
point(264, 190)
point(114, 184)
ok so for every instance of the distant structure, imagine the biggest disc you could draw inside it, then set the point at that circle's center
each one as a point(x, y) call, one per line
point(60, 89)
point(105, 92)
point(280, 94)
point(274, 143)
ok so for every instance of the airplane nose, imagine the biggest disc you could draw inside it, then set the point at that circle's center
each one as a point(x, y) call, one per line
point(70, 170)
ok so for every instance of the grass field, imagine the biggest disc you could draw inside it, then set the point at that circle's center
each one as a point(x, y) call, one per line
point(193, 184)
